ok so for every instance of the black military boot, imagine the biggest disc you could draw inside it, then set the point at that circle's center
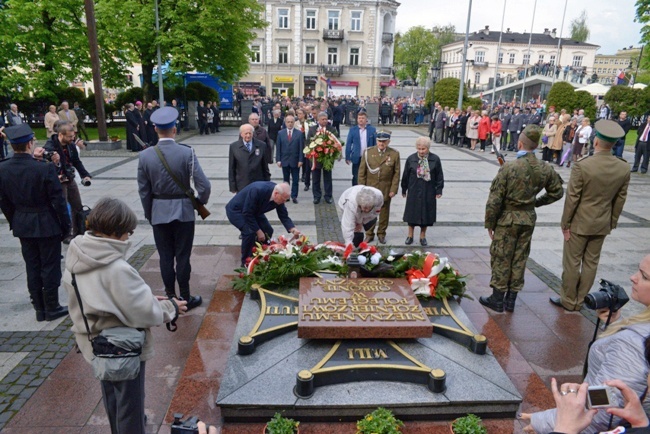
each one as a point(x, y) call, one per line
point(192, 300)
point(53, 310)
point(39, 305)
point(494, 302)
point(509, 302)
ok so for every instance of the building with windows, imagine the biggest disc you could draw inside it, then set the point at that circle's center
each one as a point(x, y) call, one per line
point(608, 66)
point(310, 43)
point(546, 49)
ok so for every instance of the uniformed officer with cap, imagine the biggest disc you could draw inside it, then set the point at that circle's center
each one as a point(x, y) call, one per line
point(379, 168)
point(32, 200)
point(510, 217)
point(595, 197)
point(167, 207)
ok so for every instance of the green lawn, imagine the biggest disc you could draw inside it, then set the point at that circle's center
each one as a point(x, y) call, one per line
point(41, 134)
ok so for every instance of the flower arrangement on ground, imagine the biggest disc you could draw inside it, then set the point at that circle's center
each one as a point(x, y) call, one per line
point(380, 421)
point(281, 425)
point(325, 149)
point(282, 263)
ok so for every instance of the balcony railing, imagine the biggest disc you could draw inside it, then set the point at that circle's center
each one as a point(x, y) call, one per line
point(331, 70)
point(387, 38)
point(335, 35)
point(386, 70)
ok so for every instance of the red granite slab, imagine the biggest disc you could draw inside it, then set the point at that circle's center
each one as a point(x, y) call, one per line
point(342, 308)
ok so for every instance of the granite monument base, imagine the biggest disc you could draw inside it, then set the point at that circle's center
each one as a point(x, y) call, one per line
point(96, 145)
point(257, 385)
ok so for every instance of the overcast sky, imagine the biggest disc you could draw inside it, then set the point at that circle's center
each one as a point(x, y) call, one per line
point(611, 22)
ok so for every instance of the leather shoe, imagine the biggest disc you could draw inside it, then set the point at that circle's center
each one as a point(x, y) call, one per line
point(328, 200)
point(423, 242)
point(40, 315)
point(294, 200)
point(194, 301)
point(634, 170)
point(316, 201)
point(306, 188)
point(382, 239)
point(408, 241)
point(51, 315)
point(558, 302)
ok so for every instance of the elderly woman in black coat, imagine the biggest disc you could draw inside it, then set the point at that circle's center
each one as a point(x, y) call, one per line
point(422, 184)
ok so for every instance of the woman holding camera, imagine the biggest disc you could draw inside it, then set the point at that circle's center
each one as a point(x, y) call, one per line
point(114, 295)
point(618, 353)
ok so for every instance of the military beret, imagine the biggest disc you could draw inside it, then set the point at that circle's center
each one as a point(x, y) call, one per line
point(383, 135)
point(609, 131)
point(531, 135)
point(164, 118)
point(19, 134)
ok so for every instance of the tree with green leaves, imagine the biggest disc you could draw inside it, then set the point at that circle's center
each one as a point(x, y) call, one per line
point(446, 93)
point(207, 36)
point(584, 100)
point(643, 17)
point(623, 98)
point(579, 29)
point(44, 47)
point(562, 96)
point(418, 49)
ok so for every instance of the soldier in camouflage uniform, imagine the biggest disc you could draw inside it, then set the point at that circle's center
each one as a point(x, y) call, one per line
point(510, 217)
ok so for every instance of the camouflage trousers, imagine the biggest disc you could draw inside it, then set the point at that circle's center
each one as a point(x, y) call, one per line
point(508, 255)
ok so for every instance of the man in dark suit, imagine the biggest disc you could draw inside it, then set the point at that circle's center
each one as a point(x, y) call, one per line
point(274, 127)
point(360, 137)
point(202, 112)
point(318, 170)
point(289, 155)
point(216, 115)
point(32, 200)
point(337, 117)
point(641, 147)
point(514, 128)
point(246, 212)
point(259, 133)
point(247, 160)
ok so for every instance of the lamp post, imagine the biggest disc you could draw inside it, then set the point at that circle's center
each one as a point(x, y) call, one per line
point(435, 73)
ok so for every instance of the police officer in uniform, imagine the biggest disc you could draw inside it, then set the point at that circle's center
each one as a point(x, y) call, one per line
point(32, 200)
point(510, 217)
point(380, 166)
point(167, 207)
point(595, 197)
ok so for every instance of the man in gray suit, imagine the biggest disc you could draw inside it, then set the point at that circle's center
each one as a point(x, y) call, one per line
point(441, 120)
point(247, 160)
point(289, 155)
point(166, 206)
point(514, 128)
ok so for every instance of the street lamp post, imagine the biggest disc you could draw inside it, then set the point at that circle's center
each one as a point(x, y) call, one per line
point(435, 72)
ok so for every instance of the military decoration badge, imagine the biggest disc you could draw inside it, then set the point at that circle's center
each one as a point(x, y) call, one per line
point(257, 152)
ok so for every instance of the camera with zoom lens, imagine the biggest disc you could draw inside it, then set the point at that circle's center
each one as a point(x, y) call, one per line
point(85, 182)
point(610, 296)
point(188, 426)
point(48, 155)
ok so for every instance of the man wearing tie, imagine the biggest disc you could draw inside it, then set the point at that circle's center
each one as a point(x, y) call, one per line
point(65, 114)
point(289, 155)
point(360, 137)
point(320, 128)
point(641, 147)
point(246, 160)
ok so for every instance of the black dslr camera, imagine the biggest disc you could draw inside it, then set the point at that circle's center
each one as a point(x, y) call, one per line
point(48, 155)
point(609, 296)
point(187, 426)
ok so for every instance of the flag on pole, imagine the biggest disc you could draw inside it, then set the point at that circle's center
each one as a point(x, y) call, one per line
point(328, 81)
point(620, 77)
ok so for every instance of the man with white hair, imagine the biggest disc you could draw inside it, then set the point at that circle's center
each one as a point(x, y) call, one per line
point(246, 212)
point(361, 206)
point(247, 160)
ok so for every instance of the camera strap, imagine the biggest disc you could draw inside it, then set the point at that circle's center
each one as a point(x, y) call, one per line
point(585, 368)
point(81, 305)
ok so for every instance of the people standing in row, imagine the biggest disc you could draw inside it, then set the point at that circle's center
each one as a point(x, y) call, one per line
point(594, 201)
point(31, 199)
point(202, 113)
point(380, 168)
point(362, 136)
point(472, 129)
point(484, 129)
point(567, 137)
point(422, 185)
point(548, 136)
point(164, 174)
point(133, 128)
point(514, 129)
point(275, 125)
point(510, 217)
point(581, 138)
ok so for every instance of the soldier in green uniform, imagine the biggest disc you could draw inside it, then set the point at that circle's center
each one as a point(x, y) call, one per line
point(380, 168)
point(594, 201)
point(510, 217)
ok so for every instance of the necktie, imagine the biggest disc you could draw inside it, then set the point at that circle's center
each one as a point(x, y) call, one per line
point(644, 137)
point(289, 135)
point(250, 147)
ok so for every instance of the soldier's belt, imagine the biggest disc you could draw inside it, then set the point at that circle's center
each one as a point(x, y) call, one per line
point(530, 207)
point(170, 196)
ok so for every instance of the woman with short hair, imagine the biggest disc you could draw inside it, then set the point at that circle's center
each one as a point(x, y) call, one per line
point(51, 118)
point(114, 295)
point(484, 129)
point(550, 130)
point(422, 184)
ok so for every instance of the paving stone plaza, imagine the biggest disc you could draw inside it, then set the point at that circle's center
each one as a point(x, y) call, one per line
point(45, 387)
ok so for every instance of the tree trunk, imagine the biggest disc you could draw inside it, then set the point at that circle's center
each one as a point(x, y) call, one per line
point(147, 81)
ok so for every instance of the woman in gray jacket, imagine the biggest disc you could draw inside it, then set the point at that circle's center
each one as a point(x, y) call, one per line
point(114, 295)
point(617, 354)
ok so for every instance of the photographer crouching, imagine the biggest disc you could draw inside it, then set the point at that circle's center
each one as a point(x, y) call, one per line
point(65, 146)
point(618, 353)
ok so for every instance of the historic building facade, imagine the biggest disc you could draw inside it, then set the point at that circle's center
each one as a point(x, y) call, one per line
point(608, 66)
point(309, 44)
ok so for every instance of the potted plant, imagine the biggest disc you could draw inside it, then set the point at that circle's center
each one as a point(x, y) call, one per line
point(115, 138)
point(380, 421)
point(470, 424)
point(281, 425)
